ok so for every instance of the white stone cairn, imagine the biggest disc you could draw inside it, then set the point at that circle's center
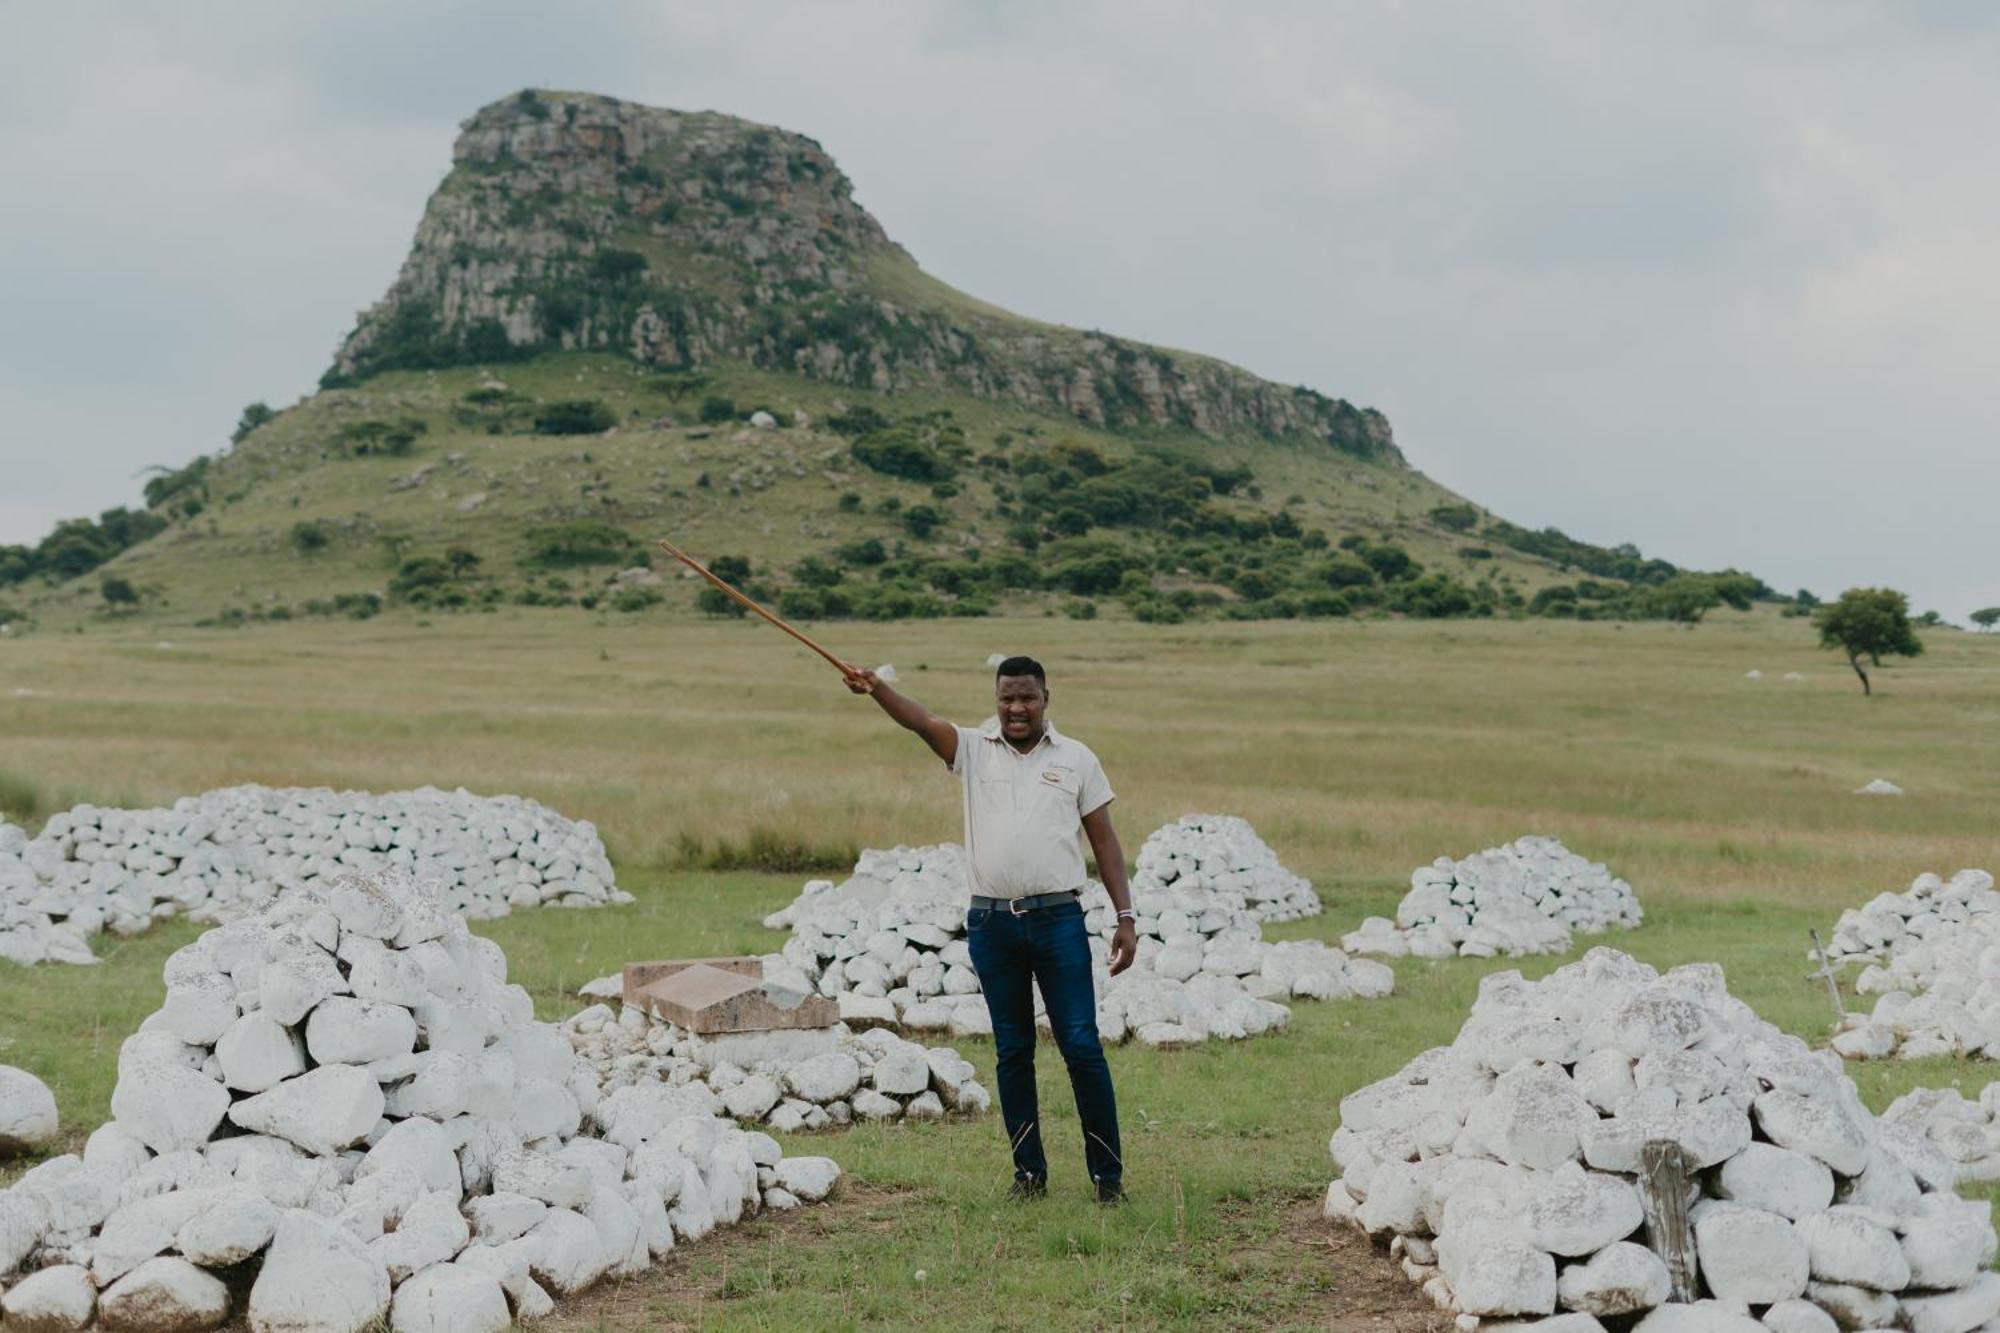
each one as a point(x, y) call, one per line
point(1526, 897)
point(458, 1166)
point(227, 853)
point(1931, 957)
point(889, 944)
point(788, 1080)
point(1222, 855)
point(1502, 1168)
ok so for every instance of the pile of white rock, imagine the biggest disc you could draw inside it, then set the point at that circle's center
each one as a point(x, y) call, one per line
point(1931, 956)
point(1892, 924)
point(1222, 856)
point(225, 853)
point(1502, 1168)
point(889, 944)
point(345, 1091)
point(791, 1080)
point(1964, 1129)
point(1522, 898)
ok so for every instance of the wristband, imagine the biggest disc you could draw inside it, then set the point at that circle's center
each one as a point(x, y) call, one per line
point(1127, 914)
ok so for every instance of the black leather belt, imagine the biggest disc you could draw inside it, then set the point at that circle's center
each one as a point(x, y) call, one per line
point(1022, 906)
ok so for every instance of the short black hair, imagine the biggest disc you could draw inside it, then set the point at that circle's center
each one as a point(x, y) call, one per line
point(1023, 666)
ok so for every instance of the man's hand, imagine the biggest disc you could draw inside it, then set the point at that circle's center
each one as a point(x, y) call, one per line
point(1124, 946)
point(859, 681)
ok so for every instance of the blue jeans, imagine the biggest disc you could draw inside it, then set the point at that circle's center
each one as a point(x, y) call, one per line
point(1048, 947)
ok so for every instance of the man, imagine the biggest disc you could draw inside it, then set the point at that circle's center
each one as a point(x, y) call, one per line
point(1028, 791)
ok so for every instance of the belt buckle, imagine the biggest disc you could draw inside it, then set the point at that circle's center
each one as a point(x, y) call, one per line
point(1014, 907)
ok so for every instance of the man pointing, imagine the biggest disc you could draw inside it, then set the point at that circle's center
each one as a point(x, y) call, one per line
point(1031, 797)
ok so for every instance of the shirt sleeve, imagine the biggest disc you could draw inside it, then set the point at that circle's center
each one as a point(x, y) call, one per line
point(961, 759)
point(1094, 791)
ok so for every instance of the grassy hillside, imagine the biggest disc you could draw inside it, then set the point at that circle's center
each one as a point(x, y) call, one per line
point(314, 505)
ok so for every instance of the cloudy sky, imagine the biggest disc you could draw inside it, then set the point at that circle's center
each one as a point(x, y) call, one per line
point(1716, 278)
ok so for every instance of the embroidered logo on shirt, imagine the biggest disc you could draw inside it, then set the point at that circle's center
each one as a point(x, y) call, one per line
point(1052, 777)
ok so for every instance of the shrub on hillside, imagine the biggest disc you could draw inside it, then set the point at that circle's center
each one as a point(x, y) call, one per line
point(381, 439)
point(583, 541)
point(575, 416)
point(1458, 518)
point(901, 453)
point(309, 536)
point(255, 415)
point(715, 409)
point(119, 594)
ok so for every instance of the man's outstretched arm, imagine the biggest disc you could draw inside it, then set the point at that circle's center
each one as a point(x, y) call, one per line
point(910, 715)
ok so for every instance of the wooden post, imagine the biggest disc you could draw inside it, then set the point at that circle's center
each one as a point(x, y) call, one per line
point(1825, 974)
point(1665, 1187)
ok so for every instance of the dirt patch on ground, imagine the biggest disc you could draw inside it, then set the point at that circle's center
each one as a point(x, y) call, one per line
point(686, 1290)
point(1364, 1290)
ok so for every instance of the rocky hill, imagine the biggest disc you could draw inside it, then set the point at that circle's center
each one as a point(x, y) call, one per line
point(685, 238)
point(618, 321)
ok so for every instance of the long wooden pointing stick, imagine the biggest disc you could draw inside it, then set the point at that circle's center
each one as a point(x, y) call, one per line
point(747, 604)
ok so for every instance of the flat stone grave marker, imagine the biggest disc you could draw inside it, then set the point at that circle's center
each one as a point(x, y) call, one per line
point(716, 995)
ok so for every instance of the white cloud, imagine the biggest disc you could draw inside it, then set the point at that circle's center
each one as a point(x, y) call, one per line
point(1714, 278)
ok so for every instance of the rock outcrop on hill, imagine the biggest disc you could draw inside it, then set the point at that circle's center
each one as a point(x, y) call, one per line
point(572, 220)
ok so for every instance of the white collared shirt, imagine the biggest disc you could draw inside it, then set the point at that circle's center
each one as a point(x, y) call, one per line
point(1024, 812)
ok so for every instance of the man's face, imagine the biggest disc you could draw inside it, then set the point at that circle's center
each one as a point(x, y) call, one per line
point(1021, 702)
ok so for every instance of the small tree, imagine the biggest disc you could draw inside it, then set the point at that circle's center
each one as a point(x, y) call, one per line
point(255, 415)
point(1986, 617)
point(1868, 622)
point(119, 594)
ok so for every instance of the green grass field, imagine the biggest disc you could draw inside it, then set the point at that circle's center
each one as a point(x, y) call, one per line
point(1357, 749)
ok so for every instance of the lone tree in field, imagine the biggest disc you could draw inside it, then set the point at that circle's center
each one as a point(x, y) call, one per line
point(1868, 622)
point(1986, 617)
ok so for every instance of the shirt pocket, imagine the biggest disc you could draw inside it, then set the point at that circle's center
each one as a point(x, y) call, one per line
point(1055, 796)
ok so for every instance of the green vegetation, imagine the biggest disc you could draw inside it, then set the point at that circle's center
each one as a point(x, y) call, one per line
point(575, 416)
point(1986, 617)
point(1871, 623)
point(381, 439)
point(583, 542)
point(255, 415)
point(78, 546)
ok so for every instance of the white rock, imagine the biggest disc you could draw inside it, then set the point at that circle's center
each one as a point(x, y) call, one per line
point(1972, 1306)
point(322, 1111)
point(1843, 1246)
point(810, 1178)
point(53, 1300)
point(316, 1277)
point(830, 1077)
point(1799, 1316)
point(431, 1231)
point(165, 1295)
point(234, 1224)
point(346, 1031)
point(449, 1298)
point(1776, 1179)
point(1578, 1212)
point(1698, 1317)
point(1748, 1256)
point(902, 1072)
point(27, 1112)
point(167, 1107)
point(1621, 1278)
point(571, 1255)
point(257, 1053)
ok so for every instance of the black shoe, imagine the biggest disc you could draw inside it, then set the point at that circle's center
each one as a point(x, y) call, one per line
point(1110, 1193)
point(1025, 1188)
